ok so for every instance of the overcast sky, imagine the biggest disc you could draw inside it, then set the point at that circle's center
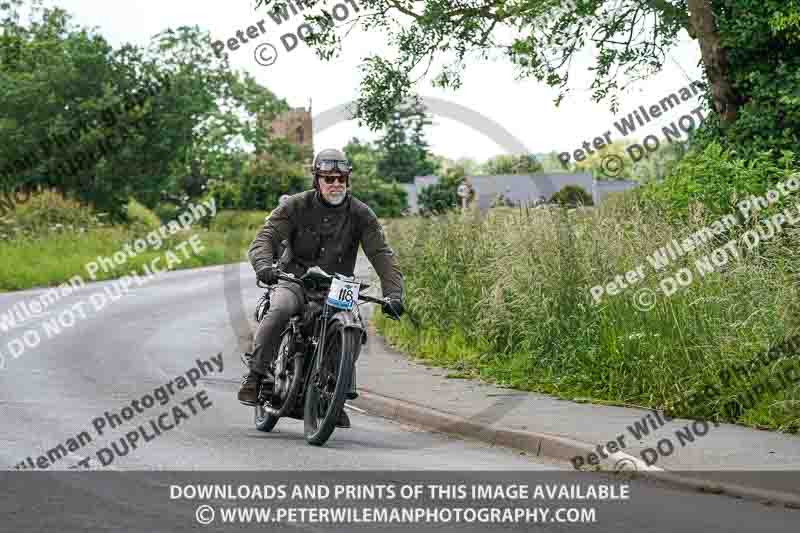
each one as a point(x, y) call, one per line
point(524, 108)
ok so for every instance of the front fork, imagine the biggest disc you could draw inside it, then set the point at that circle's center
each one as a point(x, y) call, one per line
point(322, 333)
point(326, 314)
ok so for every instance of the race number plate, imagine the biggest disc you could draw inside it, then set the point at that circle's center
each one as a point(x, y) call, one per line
point(343, 293)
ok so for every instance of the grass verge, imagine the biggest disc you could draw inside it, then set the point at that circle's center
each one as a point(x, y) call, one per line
point(54, 257)
point(508, 299)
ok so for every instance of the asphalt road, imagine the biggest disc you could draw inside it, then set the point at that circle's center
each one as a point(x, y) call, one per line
point(55, 392)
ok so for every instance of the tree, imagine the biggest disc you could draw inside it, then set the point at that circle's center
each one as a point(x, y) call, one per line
point(551, 163)
point(615, 162)
point(572, 196)
point(364, 157)
point(512, 164)
point(547, 35)
point(265, 180)
point(610, 163)
point(441, 197)
point(660, 163)
point(104, 124)
point(437, 198)
point(466, 165)
point(386, 199)
point(404, 151)
point(750, 53)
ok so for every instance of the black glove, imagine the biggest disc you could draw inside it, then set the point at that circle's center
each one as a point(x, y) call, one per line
point(268, 275)
point(393, 308)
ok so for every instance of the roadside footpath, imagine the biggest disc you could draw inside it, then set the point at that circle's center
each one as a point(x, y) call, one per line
point(722, 458)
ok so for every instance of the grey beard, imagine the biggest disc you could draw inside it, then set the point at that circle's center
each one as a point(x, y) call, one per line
point(335, 198)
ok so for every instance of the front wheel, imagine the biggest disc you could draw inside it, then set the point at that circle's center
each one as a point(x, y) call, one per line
point(327, 388)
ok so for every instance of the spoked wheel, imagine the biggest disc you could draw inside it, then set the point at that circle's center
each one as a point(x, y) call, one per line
point(326, 390)
point(288, 375)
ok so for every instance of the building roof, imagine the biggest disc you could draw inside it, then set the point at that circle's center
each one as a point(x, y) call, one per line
point(424, 181)
point(519, 188)
point(525, 188)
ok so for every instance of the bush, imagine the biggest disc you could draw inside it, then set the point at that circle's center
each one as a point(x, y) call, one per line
point(227, 195)
point(226, 221)
point(572, 195)
point(717, 179)
point(387, 200)
point(502, 200)
point(438, 198)
point(167, 211)
point(265, 182)
point(47, 212)
point(141, 219)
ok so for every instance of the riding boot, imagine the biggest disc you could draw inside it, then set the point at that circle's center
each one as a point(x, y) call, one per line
point(248, 393)
point(343, 421)
point(352, 394)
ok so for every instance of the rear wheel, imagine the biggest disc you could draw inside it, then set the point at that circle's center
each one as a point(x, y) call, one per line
point(327, 388)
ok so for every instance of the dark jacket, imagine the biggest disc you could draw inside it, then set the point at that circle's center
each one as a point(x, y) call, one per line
point(327, 236)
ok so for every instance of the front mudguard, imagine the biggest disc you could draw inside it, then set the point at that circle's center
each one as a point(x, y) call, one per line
point(349, 320)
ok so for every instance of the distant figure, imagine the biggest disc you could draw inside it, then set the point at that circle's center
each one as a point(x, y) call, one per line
point(464, 191)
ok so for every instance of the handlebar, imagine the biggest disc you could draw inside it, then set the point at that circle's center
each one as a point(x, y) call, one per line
point(291, 278)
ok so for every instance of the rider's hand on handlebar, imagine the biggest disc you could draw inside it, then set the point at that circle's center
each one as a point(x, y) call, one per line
point(268, 275)
point(393, 308)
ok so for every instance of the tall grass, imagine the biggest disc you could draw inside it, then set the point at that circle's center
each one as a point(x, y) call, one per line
point(507, 299)
point(50, 239)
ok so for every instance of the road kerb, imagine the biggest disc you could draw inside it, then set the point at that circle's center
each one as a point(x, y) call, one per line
point(551, 446)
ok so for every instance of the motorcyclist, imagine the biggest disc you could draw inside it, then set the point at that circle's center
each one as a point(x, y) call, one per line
point(323, 227)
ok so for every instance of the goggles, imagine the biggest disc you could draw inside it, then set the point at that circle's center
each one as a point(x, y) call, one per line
point(331, 165)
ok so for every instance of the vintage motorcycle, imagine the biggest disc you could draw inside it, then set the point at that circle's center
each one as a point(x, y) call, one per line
point(314, 369)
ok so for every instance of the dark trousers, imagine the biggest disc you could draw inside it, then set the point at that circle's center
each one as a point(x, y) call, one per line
point(285, 301)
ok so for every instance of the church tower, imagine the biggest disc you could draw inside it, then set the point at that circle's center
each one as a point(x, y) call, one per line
point(295, 125)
